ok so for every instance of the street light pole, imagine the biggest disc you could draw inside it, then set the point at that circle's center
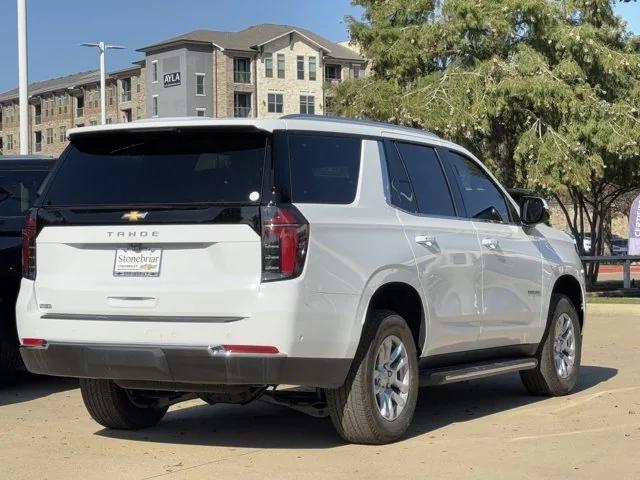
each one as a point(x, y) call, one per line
point(103, 101)
point(23, 82)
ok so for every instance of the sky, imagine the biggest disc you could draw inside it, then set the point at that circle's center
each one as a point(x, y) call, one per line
point(57, 27)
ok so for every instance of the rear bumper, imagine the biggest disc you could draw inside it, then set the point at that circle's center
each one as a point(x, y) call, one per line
point(187, 365)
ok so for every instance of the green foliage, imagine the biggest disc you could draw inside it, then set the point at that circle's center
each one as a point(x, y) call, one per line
point(545, 91)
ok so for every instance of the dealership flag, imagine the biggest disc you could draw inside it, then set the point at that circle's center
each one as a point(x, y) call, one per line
point(634, 228)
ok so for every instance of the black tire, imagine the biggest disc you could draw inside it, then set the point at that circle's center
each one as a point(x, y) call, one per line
point(353, 407)
point(112, 407)
point(9, 361)
point(544, 379)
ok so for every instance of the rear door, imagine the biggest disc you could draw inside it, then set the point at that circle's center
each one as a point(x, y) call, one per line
point(153, 223)
point(511, 262)
point(445, 246)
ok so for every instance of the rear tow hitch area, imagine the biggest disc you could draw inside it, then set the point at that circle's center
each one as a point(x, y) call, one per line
point(311, 402)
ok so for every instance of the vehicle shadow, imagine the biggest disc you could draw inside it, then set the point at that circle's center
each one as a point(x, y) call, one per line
point(262, 425)
point(26, 387)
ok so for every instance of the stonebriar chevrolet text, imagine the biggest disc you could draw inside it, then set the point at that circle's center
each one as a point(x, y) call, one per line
point(221, 258)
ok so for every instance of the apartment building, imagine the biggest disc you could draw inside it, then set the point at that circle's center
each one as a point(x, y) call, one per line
point(264, 70)
point(72, 101)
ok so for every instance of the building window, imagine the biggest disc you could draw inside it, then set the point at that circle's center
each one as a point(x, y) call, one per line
point(38, 141)
point(62, 134)
point(37, 112)
point(307, 104)
point(312, 68)
point(281, 65)
point(138, 113)
point(242, 70)
point(300, 67)
point(274, 103)
point(241, 104)
point(126, 89)
point(80, 106)
point(268, 65)
point(201, 112)
point(109, 121)
point(154, 71)
point(355, 71)
point(9, 142)
point(154, 105)
point(333, 72)
point(200, 84)
point(49, 136)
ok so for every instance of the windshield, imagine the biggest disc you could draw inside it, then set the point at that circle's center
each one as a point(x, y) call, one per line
point(18, 190)
point(160, 167)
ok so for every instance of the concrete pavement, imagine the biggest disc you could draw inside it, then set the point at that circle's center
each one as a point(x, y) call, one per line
point(483, 429)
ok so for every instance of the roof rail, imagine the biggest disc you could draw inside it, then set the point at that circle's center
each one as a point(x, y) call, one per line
point(355, 121)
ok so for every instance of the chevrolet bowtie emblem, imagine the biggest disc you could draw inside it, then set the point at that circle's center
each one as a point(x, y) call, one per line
point(134, 215)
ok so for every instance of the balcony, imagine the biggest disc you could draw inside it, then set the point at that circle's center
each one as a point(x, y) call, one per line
point(126, 96)
point(80, 112)
point(242, 112)
point(240, 76)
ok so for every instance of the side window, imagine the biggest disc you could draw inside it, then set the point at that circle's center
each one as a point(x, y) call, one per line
point(399, 185)
point(427, 179)
point(324, 168)
point(481, 197)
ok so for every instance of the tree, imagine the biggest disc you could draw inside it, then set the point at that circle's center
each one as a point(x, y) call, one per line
point(546, 92)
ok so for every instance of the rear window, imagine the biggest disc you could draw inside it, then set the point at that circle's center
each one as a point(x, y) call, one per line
point(324, 168)
point(18, 190)
point(163, 167)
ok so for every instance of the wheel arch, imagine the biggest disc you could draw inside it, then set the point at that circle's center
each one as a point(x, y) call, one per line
point(570, 286)
point(401, 295)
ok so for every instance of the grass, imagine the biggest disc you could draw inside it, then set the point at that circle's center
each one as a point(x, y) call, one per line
point(612, 300)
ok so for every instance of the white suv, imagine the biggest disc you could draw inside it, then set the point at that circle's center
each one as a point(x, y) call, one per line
point(224, 257)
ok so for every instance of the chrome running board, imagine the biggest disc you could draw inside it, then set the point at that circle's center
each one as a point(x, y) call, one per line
point(473, 371)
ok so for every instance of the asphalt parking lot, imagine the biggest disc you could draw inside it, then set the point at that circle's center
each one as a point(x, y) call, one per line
point(481, 429)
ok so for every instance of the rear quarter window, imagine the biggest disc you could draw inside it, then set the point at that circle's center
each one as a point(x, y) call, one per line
point(18, 190)
point(324, 168)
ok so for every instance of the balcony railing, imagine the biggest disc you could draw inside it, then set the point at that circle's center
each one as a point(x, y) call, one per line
point(80, 112)
point(126, 96)
point(38, 119)
point(240, 76)
point(241, 112)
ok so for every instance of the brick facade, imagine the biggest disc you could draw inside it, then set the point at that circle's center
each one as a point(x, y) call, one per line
point(52, 113)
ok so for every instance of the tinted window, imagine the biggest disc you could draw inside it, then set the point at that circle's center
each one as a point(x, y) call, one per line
point(170, 167)
point(18, 190)
point(481, 197)
point(324, 169)
point(428, 180)
point(399, 184)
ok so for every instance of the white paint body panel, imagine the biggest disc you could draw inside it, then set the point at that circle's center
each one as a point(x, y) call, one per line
point(472, 298)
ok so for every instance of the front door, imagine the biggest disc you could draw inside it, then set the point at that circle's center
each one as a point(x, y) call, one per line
point(511, 262)
point(445, 247)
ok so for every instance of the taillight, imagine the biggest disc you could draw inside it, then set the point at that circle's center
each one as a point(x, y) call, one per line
point(29, 233)
point(285, 237)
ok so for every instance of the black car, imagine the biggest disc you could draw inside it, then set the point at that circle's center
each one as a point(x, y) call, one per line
point(20, 179)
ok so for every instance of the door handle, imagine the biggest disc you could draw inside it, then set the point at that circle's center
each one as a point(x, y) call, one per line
point(490, 243)
point(426, 240)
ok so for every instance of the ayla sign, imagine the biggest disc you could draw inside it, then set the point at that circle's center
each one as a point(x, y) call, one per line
point(634, 228)
point(171, 79)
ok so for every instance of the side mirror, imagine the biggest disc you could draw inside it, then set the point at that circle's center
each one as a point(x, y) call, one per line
point(533, 210)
